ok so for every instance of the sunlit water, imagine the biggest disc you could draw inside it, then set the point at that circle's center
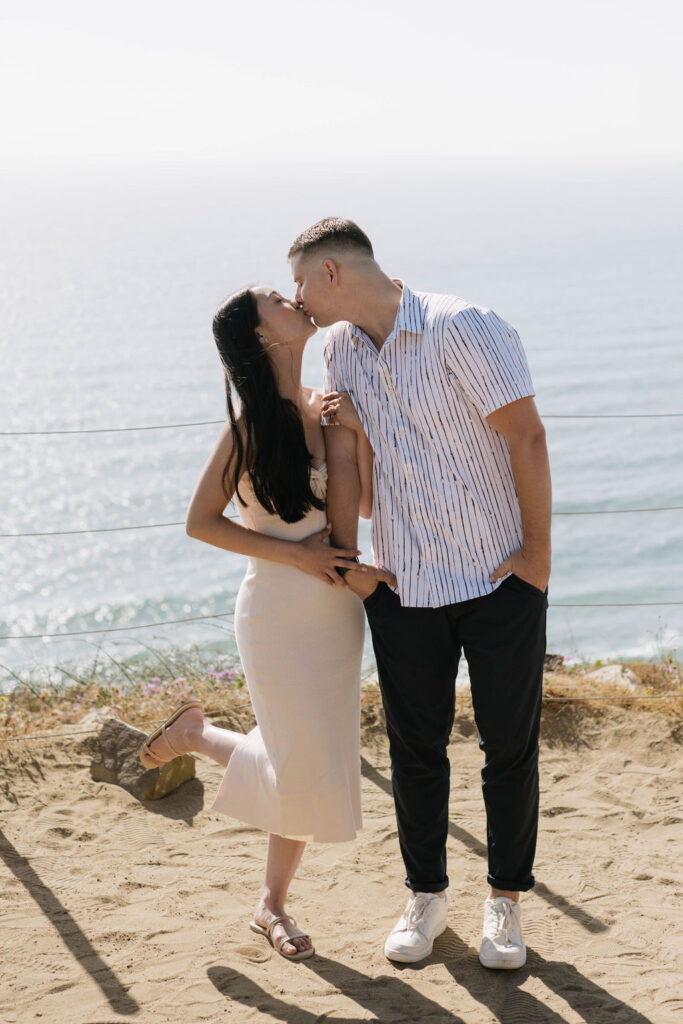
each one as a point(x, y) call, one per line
point(110, 279)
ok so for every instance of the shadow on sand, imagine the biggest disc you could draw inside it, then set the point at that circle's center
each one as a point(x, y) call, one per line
point(393, 999)
point(68, 929)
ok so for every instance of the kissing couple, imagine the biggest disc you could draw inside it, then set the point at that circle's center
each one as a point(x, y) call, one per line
point(427, 426)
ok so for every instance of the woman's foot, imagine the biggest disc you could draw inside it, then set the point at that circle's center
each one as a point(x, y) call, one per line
point(182, 734)
point(295, 943)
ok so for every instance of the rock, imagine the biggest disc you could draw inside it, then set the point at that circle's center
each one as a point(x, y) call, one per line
point(553, 663)
point(95, 717)
point(117, 761)
point(615, 675)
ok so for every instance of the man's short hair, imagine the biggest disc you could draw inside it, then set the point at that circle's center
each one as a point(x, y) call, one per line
point(332, 231)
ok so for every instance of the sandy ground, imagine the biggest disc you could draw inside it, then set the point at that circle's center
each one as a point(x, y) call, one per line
point(113, 910)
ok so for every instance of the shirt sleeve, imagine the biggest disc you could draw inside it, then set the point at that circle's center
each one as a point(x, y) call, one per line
point(486, 355)
point(332, 376)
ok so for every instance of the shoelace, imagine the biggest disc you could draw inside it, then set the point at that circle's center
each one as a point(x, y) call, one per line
point(503, 918)
point(415, 911)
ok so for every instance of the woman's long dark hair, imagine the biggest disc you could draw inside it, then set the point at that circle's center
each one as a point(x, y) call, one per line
point(275, 455)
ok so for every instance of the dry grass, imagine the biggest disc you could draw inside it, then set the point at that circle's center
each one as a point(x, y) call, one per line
point(35, 706)
point(140, 695)
point(661, 686)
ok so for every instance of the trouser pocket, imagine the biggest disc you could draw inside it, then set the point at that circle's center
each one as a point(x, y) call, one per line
point(527, 586)
point(369, 601)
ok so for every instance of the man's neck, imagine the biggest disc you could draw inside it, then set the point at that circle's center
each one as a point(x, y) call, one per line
point(377, 302)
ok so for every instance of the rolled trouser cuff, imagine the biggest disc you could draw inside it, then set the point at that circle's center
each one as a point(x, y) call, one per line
point(511, 884)
point(427, 886)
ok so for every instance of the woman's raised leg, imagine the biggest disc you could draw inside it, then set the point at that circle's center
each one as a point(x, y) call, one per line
point(191, 733)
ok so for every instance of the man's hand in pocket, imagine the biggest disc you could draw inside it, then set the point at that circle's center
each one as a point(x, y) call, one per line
point(364, 579)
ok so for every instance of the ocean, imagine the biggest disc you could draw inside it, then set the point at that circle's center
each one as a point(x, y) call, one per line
point(111, 273)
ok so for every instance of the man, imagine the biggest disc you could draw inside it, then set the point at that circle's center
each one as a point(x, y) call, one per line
point(461, 516)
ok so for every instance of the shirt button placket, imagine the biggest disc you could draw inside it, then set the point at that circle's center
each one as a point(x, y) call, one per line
point(386, 377)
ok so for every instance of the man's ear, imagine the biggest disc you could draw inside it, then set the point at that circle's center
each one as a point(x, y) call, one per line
point(331, 271)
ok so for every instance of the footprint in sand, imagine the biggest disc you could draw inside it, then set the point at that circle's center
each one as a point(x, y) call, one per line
point(61, 988)
point(60, 830)
point(56, 821)
point(138, 834)
point(253, 954)
point(539, 933)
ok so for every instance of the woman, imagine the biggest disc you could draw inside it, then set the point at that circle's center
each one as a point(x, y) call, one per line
point(299, 627)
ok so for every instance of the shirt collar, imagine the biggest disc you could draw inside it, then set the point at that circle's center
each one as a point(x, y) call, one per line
point(410, 316)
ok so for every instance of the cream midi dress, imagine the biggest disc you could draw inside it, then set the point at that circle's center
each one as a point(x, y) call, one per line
point(300, 640)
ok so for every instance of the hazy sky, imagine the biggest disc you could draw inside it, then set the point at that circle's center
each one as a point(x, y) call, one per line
point(347, 78)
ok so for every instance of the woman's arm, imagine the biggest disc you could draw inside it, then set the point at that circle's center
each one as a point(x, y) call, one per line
point(365, 462)
point(343, 493)
point(205, 521)
point(338, 407)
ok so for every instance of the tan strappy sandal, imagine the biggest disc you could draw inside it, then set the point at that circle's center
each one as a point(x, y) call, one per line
point(301, 954)
point(152, 760)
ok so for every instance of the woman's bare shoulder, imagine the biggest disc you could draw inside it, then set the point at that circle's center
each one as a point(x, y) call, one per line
point(226, 448)
point(229, 430)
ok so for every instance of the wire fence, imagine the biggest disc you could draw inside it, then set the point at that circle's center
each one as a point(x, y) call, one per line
point(219, 615)
point(155, 526)
point(214, 423)
point(199, 423)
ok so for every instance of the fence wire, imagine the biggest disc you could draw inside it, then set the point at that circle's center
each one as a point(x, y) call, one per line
point(215, 423)
point(200, 423)
point(154, 526)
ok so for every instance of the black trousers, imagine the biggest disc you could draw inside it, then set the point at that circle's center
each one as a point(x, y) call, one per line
point(417, 650)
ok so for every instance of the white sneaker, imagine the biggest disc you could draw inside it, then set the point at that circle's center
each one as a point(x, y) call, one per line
point(412, 937)
point(502, 945)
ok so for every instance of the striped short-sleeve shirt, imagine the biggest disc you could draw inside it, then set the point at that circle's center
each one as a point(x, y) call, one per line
point(445, 510)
